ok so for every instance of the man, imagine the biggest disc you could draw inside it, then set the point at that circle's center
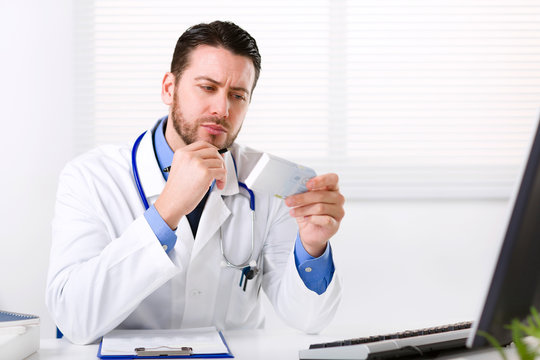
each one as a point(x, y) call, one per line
point(190, 256)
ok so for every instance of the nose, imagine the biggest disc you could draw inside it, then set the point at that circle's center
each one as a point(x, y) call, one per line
point(220, 105)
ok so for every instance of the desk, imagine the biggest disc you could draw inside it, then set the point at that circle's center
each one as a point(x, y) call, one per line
point(282, 344)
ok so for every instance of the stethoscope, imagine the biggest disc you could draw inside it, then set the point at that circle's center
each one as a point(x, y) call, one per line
point(248, 267)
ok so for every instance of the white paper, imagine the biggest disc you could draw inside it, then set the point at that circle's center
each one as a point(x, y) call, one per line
point(202, 340)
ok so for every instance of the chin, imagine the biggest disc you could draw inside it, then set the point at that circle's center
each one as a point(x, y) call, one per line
point(217, 141)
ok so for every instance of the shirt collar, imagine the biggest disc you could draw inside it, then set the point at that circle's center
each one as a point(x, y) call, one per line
point(164, 152)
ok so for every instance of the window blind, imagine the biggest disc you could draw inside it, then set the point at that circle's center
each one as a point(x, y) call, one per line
point(416, 99)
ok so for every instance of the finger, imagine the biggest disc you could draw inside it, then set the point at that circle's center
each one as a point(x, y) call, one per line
point(309, 197)
point(325, 181)
point(219, 177)
point(212, 163)
point(335, 211)
point(204, 164)
point(218, 174)
point(207, 153)
point(321, 220)
point(197, 145)
point(202, 149)
point(201, 155)
point(220, 184)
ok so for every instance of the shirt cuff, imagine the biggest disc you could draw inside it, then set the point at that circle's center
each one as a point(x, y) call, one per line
point(316, 273)
point(163, 232)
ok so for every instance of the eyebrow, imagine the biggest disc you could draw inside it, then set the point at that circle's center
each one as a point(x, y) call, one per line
point(235, 88)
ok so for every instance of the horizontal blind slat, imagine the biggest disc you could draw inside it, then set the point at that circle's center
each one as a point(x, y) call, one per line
point(431, 99)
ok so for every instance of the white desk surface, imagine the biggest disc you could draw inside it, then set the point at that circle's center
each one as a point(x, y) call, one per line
point(244, 344)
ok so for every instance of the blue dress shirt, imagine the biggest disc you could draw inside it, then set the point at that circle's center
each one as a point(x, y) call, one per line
point(316, 273)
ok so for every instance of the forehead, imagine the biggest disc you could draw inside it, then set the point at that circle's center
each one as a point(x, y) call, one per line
point(221, 65)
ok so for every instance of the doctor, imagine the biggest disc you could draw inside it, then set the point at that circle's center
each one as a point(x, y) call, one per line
point(160, 234)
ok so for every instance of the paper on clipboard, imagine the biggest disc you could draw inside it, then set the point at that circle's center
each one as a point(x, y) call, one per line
point(205, 342)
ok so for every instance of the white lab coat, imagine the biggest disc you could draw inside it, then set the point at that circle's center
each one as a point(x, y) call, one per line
point(108, 269)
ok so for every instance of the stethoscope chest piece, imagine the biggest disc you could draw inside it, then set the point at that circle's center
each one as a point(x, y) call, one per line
point(248, 273)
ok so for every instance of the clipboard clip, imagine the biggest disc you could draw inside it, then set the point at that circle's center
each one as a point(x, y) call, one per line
point(164, 351)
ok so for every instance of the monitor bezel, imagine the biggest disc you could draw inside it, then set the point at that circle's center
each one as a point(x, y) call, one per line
point(498, 308)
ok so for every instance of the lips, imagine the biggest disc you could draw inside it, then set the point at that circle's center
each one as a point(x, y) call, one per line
point(214, 129)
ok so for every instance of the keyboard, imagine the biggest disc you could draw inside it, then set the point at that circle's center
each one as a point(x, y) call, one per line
point(405, 344)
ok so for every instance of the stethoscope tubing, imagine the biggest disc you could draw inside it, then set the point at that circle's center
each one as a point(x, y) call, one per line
point(136, 171)
point(248, 261)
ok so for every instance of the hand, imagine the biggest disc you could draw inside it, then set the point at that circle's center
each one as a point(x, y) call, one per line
point(193, 169)
point(318, 212)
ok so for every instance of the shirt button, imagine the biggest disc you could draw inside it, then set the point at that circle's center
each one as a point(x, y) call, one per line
point(165, 247)
point(308, 269)
point(195, 292)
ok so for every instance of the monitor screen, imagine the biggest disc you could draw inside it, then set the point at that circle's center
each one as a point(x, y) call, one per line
point(514, 286)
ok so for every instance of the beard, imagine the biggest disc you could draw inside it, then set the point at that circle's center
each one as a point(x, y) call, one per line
point(188, 131)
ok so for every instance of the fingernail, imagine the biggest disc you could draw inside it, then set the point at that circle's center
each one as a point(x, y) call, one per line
point(289, 202)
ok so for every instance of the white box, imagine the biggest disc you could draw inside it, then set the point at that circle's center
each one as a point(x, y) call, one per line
point(18, 342)
point(278, 176)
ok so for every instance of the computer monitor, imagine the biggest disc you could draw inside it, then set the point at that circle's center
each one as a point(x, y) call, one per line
point(515, 283)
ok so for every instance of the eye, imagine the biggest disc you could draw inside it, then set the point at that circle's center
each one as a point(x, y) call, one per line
point(207, 87)
point(239, 97)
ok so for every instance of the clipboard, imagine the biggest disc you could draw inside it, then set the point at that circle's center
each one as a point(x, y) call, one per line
point(193, 343)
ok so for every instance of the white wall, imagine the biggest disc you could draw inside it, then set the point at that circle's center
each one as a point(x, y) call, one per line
point(413, 264)
point(405, 264)
point(35, 98)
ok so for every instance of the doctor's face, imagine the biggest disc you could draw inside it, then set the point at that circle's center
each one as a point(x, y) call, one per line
point(212, 96)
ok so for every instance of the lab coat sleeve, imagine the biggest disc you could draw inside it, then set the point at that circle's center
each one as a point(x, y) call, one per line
point(95, 281)
point(297, 305)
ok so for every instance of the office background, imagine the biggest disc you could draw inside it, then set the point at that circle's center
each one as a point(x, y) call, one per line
point(424, 109)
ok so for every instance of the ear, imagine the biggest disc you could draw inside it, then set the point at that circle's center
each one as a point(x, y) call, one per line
point(167, 88)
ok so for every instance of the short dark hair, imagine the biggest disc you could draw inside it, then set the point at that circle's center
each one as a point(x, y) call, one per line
point(219, 34)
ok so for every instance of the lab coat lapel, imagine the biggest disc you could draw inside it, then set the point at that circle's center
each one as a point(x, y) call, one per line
point(215, 211)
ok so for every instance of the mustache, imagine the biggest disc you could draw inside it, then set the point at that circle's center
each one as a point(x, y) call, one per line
point(216, 120)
